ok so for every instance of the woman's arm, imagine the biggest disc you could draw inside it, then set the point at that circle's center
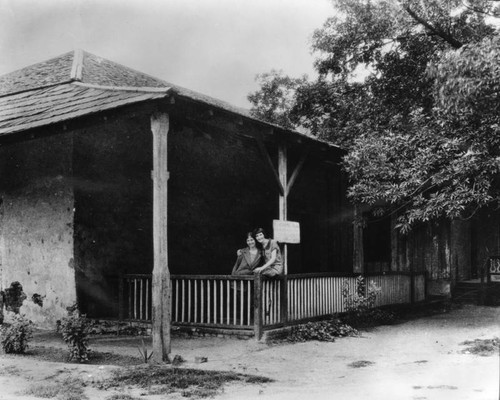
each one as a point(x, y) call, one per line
point(237, 263)
point(267, 264)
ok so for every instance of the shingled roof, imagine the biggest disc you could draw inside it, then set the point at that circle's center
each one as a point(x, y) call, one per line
point(72, 85)
point(79, 83)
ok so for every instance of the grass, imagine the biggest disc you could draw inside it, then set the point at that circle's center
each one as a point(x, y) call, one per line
point(55, 354)
point(161, 380)
point(481, 347)
point(67, 389)
point(11, 371)
point(121, 396)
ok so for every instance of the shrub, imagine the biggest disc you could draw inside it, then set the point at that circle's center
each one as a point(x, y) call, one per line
point(15, 338)
point(75, 329)
point(323, 331)
point(359, 306)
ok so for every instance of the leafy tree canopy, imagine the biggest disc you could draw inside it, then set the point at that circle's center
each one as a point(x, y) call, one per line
point(421, 126)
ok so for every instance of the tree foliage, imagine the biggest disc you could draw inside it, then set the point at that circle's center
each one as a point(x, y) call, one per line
point(421, 125)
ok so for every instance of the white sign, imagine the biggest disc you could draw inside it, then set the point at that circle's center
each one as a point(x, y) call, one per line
point(286, 231)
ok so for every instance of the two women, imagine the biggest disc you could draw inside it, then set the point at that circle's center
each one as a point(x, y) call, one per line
point(261, 256)
point(249, 258)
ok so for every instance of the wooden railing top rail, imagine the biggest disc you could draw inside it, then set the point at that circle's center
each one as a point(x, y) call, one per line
point(137, 276)
point(290, 276)
point(218, 277)
point(404, 273)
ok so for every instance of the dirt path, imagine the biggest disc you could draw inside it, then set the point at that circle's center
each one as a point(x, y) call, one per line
point(419, 359)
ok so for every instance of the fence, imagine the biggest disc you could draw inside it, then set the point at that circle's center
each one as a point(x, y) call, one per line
point(256, 303)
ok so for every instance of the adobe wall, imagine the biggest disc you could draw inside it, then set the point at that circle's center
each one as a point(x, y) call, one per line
point(36, 228)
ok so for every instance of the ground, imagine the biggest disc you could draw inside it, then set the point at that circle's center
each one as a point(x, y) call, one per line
point(422, 358)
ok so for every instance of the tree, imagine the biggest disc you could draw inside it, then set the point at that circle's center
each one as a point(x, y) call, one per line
point(275, 98)
point(406, 149)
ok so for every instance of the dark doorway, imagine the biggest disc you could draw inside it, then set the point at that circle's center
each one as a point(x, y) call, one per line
point(377, 243)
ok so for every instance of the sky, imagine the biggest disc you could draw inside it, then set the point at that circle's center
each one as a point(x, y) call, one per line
point(215, 47)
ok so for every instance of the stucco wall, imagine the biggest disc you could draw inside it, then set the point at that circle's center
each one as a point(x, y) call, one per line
point(37, 225)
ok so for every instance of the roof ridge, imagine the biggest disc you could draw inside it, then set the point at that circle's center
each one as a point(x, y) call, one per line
point(124, 88)
point(76, 68)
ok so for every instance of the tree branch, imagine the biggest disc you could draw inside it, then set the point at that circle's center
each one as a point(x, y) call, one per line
point(476, 10)
point(456, 44)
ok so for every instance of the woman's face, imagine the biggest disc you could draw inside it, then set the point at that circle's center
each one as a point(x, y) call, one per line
point(260, 237)
point(250, 242)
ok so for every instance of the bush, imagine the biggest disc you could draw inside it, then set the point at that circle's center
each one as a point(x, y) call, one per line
point(75, 329)
point(323, 331)
point(359, 306)
point(15, 338)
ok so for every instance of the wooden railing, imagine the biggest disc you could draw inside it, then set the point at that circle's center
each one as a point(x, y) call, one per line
point(221, 300)
point(256, 303)
point(493, 270)
point(312, 296)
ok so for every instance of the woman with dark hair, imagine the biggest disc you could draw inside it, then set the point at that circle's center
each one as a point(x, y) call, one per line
point(249, 258)
point(273, 265)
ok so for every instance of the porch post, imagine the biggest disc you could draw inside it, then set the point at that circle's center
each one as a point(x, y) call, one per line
point(358, 255)
point(283, 212)
point(257, 304)
point(161, 292)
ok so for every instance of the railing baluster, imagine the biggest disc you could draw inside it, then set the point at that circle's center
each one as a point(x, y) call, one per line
point(268, 302)
point(140, 299)
point(147, 301)
point(309, 298)
point(183, 297)
point(221, 303)
point(228, 303)
point(242, 298)
point(249, 302)
point(135, 298)
point(279, 317)
point(215, 301)
point(235, 306)
point(176, 300)
point(300, 297)
point(195, 300)
point(202, 303)
point(189, 300)
point(209, 302)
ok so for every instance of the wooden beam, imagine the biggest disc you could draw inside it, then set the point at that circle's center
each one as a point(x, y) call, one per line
point(358, 256)
point(161, 291)
point(267, 157)
point(283, 201)
point(297, 170)
point(283, 175)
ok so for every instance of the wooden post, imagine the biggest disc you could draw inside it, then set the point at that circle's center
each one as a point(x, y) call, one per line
point(121, 298)
point(257, 304)
point(358, 242)
point(283, 214)
point(284, 300)
point(161, 291)
point(412, 286)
